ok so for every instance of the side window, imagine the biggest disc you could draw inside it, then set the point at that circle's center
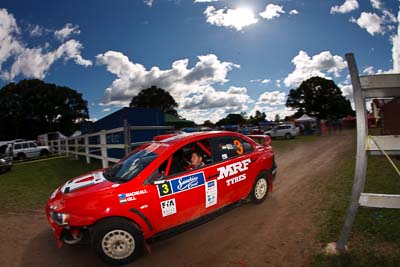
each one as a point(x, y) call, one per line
point(32, 145)
point(17, 146)
point(180, 161)
point(25, 145)
point(230, 147)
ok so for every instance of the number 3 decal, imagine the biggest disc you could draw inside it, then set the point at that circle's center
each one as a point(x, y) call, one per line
point(239, 146)
point(165, 189)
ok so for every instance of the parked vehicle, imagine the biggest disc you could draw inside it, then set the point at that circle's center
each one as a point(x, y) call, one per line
point(287, 131)
point(29, 149)
point(152, 192)
point(6, 157)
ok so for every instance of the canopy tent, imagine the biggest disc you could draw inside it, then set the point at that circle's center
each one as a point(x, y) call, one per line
point(305, 118)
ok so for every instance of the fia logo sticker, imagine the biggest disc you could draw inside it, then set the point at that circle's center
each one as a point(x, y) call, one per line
point(168, 207)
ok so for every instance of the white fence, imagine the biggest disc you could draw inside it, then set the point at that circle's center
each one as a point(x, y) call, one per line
point(95, 145)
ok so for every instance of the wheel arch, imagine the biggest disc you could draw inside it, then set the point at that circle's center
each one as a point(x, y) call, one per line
point(134, 221)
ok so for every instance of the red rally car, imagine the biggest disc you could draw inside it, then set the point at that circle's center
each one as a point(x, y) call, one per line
point(154, 192)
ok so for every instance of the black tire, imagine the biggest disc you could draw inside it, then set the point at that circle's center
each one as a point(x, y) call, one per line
point(288, 136)
point(126, 235)
point(21, 156)
point(44, 153)
point(260, 188)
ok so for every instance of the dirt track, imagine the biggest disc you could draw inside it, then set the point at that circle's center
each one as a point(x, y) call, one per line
point(279, 232)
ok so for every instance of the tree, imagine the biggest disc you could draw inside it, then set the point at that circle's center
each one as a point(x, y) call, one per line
point(319, 97)
point(277, 118)
point(258, 117)
point(232, 119)
point(208, 123)
point(157, 98)
point(32, 107)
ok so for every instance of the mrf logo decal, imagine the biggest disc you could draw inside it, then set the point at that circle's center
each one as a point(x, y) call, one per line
point(181, 184)
point(234, 169)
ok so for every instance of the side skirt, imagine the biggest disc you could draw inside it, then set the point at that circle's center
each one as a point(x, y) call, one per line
point(196, 222)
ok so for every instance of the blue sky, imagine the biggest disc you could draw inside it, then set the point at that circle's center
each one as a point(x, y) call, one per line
point(214, 56)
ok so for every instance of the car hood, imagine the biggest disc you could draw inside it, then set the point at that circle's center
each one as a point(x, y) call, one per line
point(87, 182)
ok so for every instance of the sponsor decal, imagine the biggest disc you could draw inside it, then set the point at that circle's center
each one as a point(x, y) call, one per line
point(127, 197)
point(224, 156)
point(84, 181)
point(236, 179)
point(229, 146)
point(232, 170)
point(168, 207)
point(211, 193)
point(181, 184)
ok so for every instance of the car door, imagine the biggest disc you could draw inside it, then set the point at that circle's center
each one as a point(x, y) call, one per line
point(33, 150)
point(232, 158)
point(183, 195)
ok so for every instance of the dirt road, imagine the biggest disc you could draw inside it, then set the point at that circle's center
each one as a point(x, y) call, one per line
point(279, 232)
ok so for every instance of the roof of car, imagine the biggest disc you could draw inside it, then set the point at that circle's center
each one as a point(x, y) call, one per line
point(188, 136)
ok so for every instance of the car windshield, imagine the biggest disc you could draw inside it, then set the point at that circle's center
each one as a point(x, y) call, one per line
point(130, 167)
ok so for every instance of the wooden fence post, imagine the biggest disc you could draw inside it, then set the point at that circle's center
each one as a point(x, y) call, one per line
point(76, 148)
point(127, 138)
point(87, 149)
point(59, 147)
point(103, 142)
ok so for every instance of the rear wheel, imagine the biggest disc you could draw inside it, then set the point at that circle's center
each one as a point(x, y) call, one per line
point(44, 153)
point(288, 136)
point(21, 156)
point(260, 188)
point(117, 241)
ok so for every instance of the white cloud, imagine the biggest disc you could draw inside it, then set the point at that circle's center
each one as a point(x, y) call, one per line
point(231, 18)
point(272, 11)
point(318, 65)
point(273, 98)
point(261, 81)
point(192, 87)
point(67, 31)
point(148, 2)
point(278, 83)
point(34, 62)
point(35, 31)
point(369, 70)
point(9, 45)
point(205, 1)
point(371, 22)
point(294, 12)
point(388, 16)
point(347, 91)
point(106, 109)
point(346, 7)
point(31, 62)
point(376, 4)
point(396, 47)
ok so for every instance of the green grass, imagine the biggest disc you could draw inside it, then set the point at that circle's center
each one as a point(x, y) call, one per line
point(282, 144)
point(28, 185)
point(375, 235)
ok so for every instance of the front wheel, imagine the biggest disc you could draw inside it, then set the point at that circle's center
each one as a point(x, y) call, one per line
point(288, 136)
point(117, 241)
point(260, 189)
point(44, 153)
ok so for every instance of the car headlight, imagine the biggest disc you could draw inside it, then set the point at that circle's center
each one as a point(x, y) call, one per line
point(60, 218)
point(54, 193)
